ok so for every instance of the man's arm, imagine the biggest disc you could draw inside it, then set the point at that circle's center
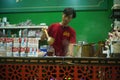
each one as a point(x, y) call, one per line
point(70, 50)
point(45, 35)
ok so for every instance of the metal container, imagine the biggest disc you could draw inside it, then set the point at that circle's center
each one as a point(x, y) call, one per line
point(84, 50)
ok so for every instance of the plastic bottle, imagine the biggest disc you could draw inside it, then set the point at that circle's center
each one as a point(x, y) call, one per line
point(50, 51)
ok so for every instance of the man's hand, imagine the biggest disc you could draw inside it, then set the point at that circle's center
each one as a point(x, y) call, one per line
point(50, 40)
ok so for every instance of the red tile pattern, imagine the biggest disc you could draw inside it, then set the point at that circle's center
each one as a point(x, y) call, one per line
point(58, 72)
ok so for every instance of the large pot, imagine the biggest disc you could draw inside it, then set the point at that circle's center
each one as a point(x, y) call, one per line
point(88, 50)
point(85, 50)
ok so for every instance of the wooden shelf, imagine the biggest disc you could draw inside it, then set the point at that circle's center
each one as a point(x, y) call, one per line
point(22, 27)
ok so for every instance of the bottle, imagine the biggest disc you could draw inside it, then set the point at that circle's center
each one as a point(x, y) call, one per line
point(20, 33)
point(50, 51)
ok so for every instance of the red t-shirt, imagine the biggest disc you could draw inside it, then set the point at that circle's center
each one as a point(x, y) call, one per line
point(63, 36)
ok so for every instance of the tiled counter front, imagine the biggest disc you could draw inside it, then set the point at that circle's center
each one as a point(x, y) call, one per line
point(59, 68)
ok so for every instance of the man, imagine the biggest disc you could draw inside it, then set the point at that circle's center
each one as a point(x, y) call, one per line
point(62, 36)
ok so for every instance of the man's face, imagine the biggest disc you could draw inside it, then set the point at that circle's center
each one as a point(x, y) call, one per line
point(66, 19)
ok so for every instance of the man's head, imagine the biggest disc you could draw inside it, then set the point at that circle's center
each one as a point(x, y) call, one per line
point(68, 15)
point(69, 11)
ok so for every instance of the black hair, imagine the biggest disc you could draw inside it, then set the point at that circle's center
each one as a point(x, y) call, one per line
point(70, 11)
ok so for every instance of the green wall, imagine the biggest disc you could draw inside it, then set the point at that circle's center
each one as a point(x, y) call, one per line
point(90, 26)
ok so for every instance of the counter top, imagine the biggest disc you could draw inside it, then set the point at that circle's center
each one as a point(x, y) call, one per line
point(60, 60)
